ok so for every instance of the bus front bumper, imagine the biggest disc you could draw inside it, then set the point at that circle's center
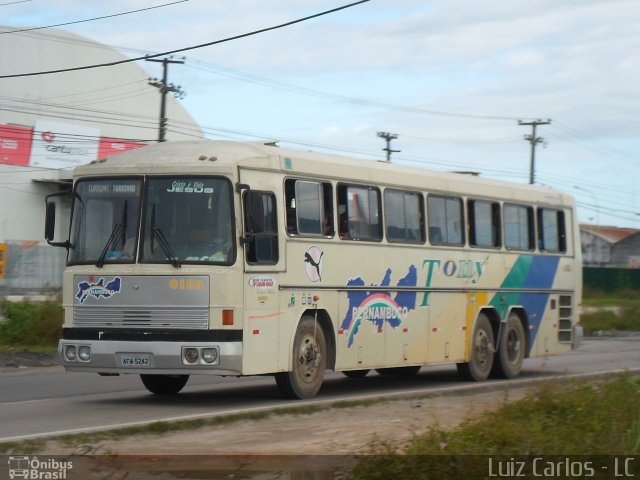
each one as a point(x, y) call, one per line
point(162, 358)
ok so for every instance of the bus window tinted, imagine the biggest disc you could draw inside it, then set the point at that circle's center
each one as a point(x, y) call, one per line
point(445, 220)
point(404, 214)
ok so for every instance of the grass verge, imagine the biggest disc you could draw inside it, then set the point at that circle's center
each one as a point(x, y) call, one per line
point(28, 325)
point(556, 418)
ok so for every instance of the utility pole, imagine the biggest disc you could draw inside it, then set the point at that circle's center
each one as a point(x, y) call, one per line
point(388, 137)
point(164, 89)
point(533, 140)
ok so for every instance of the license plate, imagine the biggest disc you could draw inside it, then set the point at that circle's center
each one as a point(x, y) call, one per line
point(135, 359)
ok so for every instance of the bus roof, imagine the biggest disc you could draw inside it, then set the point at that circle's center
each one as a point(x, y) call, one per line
point(224, 157)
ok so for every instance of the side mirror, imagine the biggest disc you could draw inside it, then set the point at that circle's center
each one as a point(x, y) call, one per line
point(50, 222)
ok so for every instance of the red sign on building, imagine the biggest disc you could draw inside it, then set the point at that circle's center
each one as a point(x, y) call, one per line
point(15, 144)
point(111, 146)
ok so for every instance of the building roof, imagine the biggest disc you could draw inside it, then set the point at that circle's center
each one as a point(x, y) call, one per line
point(608, 233)
point(117, 99)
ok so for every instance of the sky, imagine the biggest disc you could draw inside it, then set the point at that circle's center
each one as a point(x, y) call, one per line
point(452, 79)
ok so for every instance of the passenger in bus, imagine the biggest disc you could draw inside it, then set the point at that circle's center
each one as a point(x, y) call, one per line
point(327, 225)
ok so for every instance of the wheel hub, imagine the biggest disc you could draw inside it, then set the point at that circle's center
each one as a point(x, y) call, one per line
point(309, 357)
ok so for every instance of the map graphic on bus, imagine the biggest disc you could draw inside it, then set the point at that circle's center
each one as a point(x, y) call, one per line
point(99, 289)
point(379, 307)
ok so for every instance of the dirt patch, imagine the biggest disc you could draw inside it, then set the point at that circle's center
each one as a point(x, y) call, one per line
point(335, 431)
point(28, 359)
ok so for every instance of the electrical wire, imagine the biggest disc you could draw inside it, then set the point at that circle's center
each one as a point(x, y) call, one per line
point(194, 47)
point(91, 19)
point(13, 3)
point(344, 98)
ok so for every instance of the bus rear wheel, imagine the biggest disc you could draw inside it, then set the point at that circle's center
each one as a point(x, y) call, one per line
point(164, 384)
point(511, 347)
point(309, 362)
point(483, 350)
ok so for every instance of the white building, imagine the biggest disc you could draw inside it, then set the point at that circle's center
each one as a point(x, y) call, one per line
point(50, 123)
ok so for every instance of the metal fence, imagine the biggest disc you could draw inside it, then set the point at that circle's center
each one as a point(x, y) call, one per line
point(31, 269)
point(611, 279)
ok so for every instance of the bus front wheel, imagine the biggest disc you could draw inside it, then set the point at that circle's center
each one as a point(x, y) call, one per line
point(164, 384)
point(309, 362)
point(482, 352)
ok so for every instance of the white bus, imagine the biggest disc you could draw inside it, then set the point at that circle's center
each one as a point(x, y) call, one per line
point(229, 258)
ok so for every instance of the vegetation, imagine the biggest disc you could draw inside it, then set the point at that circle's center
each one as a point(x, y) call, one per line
point(621, 298)
point(30, 326)
point(554, 419)
point(611, 312)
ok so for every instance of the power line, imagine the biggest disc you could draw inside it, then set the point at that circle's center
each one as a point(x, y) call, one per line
point(249, 77)
point(13, 3)
point(91, 19)
point(194, 47)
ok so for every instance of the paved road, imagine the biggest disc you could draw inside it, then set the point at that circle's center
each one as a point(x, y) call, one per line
point(42, 401)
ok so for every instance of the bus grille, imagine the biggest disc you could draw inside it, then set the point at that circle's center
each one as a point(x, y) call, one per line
point(131, 317)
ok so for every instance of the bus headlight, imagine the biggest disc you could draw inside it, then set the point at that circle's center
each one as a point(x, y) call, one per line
point(70, 353)
point(84, 353)
point(190, 355)
point(210, 355)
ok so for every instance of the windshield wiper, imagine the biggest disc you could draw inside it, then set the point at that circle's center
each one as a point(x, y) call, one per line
point(166, 248)
point(114, 237)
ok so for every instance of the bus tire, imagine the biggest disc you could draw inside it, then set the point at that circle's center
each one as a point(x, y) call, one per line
point(399, 371)
point(164, 384)
point(511, 347)
point(356, 373)
point(309, 362)
point(483, 350)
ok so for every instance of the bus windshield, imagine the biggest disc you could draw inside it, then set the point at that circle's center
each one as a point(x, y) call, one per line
point(154, 220)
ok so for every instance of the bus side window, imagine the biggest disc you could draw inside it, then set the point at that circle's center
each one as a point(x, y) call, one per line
point(309, 207)
point(359, 213)
point(551, 230)
point(261, 233)
point(404, 214)
point(519, 228)
point(484, 223)
point(445, 219)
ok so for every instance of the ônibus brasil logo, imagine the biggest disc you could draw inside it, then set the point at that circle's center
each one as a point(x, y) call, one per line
point(98, 289)
point(38, 469)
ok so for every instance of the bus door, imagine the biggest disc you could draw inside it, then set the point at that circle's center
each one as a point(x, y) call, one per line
point(262, 249)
